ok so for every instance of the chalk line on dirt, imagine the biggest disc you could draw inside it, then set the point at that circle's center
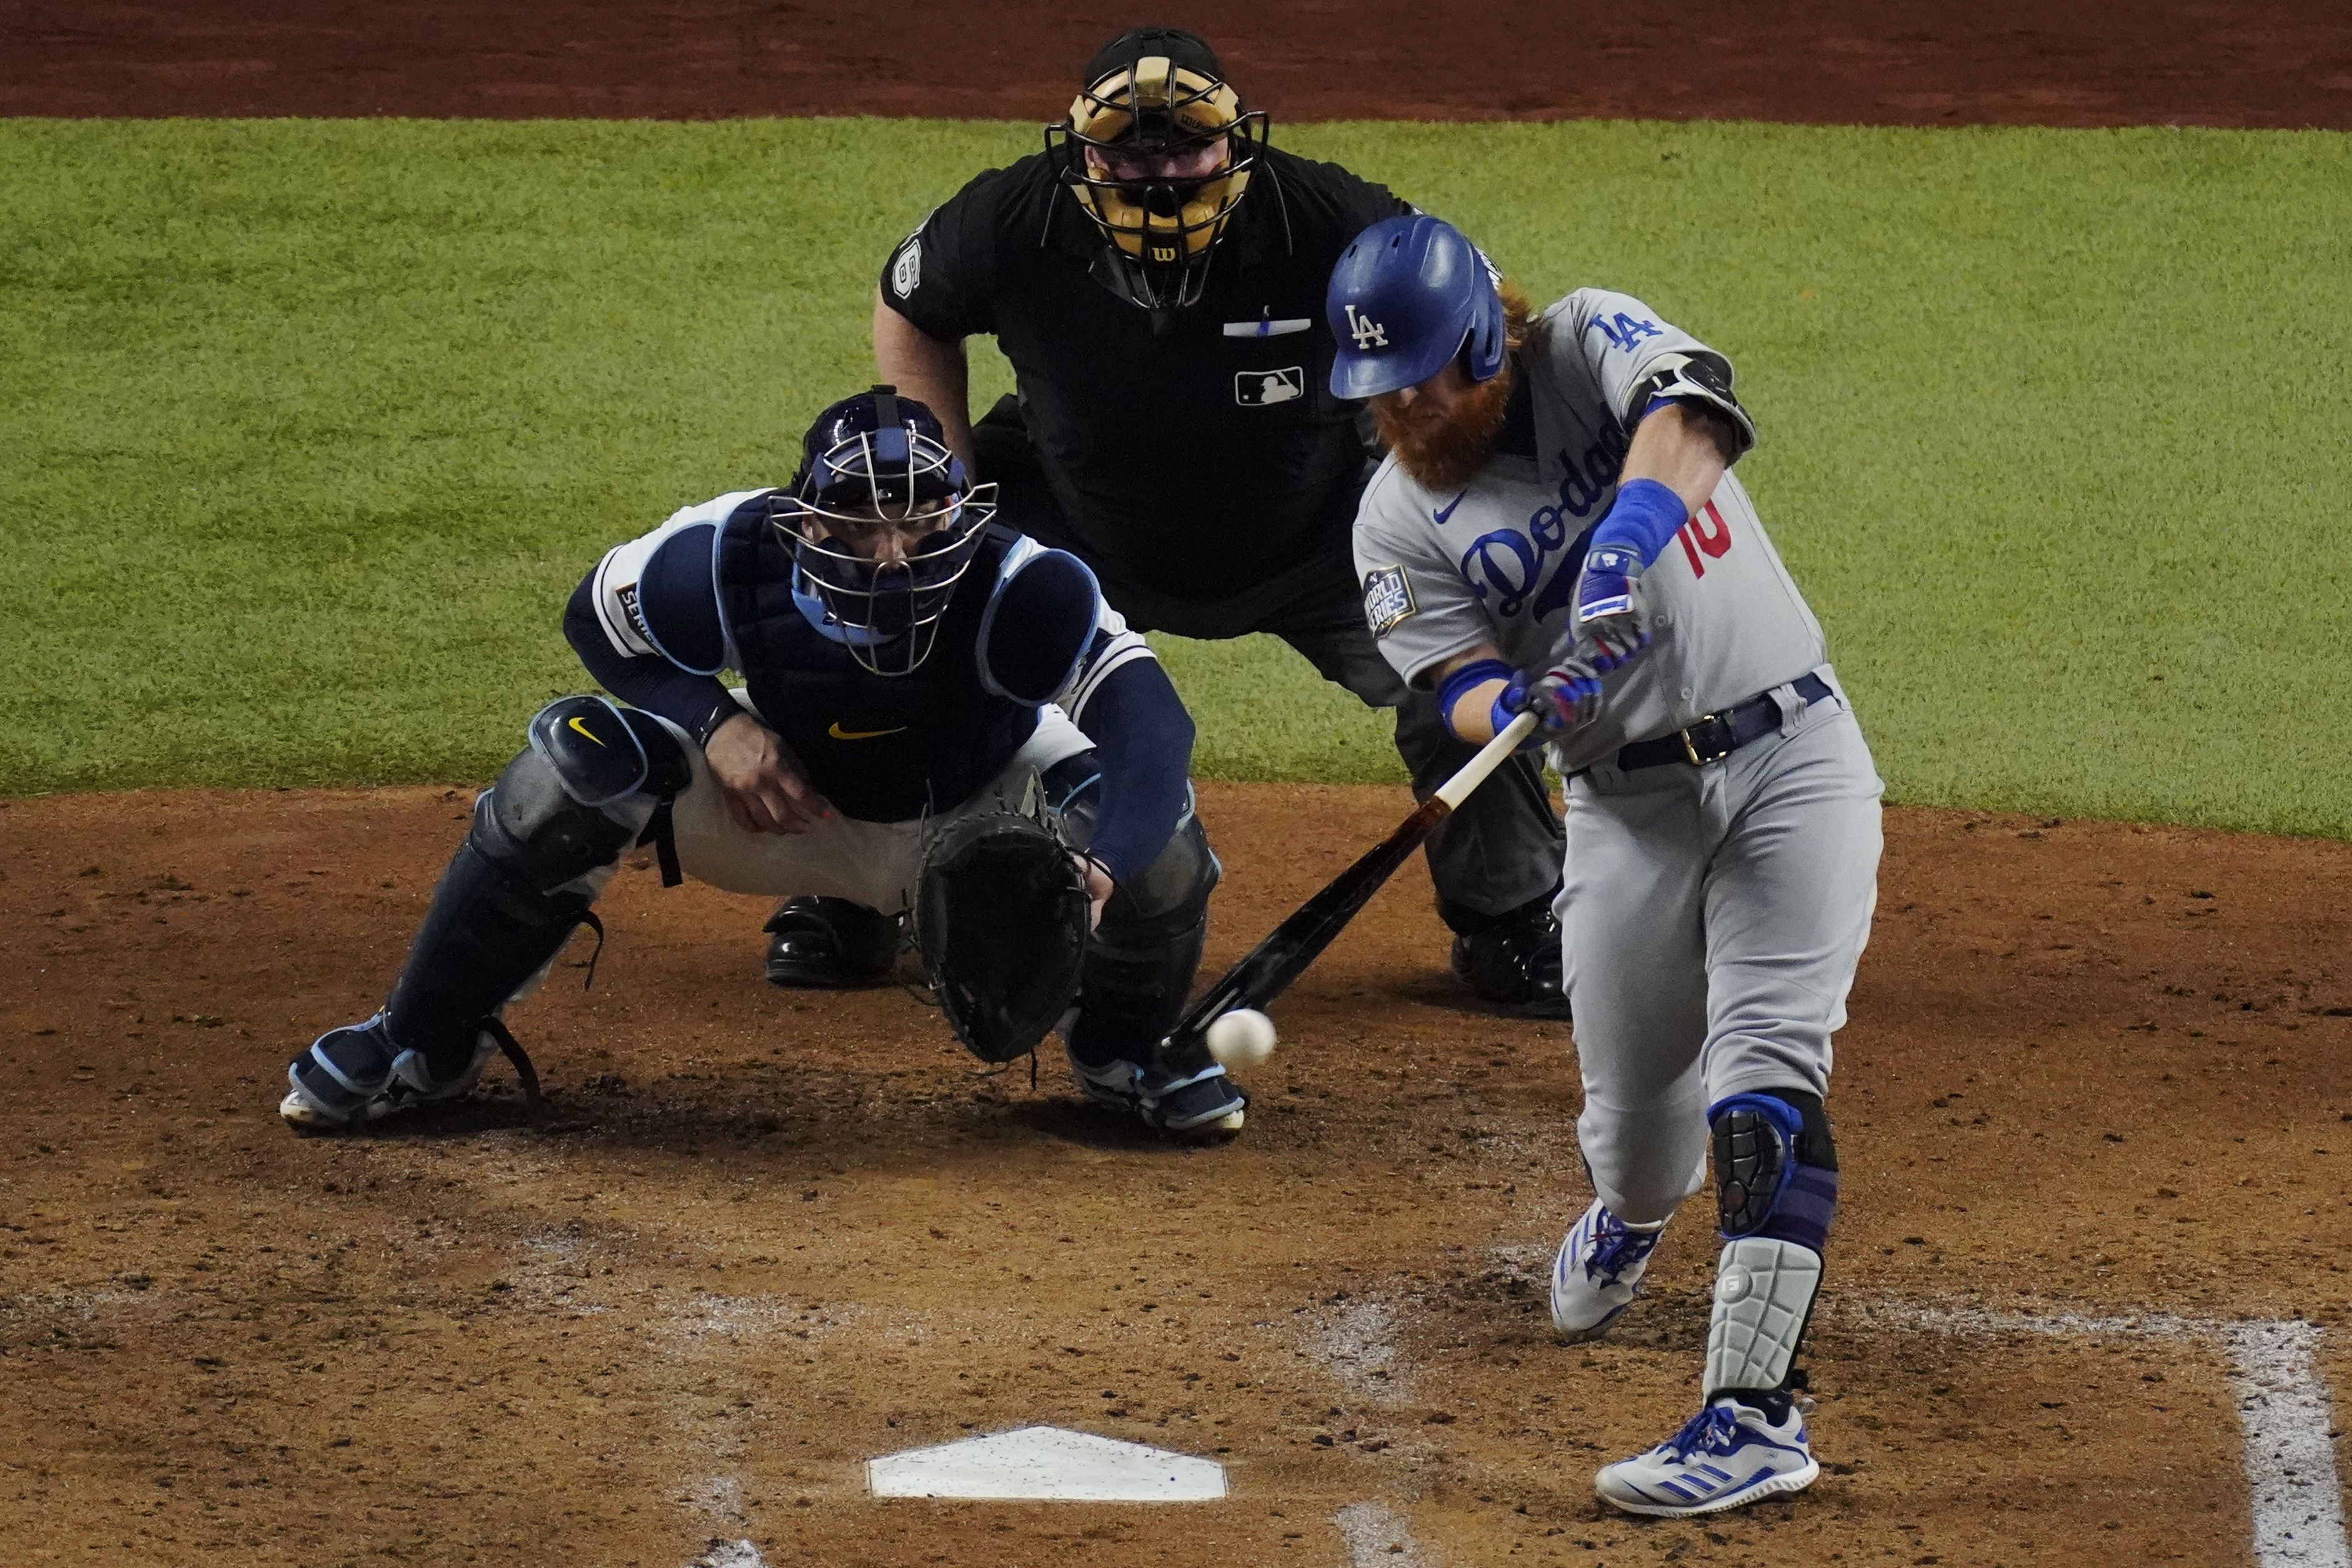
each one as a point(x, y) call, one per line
point(1376, 1537)
point(2284, 1414)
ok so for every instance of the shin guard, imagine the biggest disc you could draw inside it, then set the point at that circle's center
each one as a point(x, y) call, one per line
point(1776, 1192)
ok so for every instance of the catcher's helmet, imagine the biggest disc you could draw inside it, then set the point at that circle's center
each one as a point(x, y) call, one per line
point(882, 520)
point(1408, 295)
point(1157, 95)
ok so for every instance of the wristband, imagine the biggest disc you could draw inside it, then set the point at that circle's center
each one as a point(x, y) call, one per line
point(1645, 515)
point(726, 708)
point(1476, 672)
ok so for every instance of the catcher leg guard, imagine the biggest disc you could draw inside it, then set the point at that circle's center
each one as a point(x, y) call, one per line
point(831, 942)
point(544, 837)
point(1139, 969)
point(1776, 1190)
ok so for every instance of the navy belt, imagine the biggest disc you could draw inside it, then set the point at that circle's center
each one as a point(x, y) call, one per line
point(1717, 735)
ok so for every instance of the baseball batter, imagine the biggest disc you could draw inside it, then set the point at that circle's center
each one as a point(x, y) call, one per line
point(1557, 529)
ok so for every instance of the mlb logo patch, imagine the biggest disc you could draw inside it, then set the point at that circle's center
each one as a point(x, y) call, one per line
point(1388, 599)
point(1255, 389)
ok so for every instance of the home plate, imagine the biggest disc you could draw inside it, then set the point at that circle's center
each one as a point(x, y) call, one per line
point(1049, 1463)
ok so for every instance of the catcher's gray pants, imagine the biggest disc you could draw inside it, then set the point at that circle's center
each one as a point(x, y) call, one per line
point(1712, 918)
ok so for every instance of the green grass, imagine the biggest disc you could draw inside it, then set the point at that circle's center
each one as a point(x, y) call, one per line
point(307, 428)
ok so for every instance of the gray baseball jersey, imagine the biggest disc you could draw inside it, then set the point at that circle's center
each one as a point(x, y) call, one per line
point(1498, 562)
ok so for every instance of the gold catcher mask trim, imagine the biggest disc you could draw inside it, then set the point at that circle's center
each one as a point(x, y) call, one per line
point(1163, 229)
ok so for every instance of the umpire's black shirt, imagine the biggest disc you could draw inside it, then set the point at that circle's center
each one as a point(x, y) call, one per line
point(1194, 452)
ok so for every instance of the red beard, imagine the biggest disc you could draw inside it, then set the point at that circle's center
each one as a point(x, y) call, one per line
point(1446, 457)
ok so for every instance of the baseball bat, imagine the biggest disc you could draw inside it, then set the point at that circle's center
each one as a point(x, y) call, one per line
point(1270, 967)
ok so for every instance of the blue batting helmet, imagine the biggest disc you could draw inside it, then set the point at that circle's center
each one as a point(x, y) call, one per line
point(1408, 295)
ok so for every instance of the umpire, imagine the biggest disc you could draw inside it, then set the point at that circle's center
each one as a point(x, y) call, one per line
point(1156, 276)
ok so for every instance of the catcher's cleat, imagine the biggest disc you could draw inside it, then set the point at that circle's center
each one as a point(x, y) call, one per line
point(1730, 1453)
point(1196, 1100)
point(1516, 961)
point(1598, 1272)
point(830, 942)
point(357, 1074)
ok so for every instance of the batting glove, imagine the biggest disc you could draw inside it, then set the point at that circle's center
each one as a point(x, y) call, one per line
point(1612, 609)
point(1563, 698)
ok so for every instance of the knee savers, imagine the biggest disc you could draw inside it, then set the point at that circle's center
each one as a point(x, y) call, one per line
point(1776, 1188)
point(581, 792)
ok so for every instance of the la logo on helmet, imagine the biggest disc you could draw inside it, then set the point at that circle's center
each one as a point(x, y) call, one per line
point(1368, 333)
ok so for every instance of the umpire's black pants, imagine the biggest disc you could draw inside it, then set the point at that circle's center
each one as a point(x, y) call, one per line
point(1500, 851)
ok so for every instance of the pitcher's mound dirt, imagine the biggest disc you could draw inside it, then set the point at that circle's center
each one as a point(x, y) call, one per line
point(2092, 1068)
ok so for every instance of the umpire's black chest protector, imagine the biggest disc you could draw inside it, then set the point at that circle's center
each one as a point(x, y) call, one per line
point(880, 748)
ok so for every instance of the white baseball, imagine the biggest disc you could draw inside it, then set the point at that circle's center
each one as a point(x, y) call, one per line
point(1242, 1038)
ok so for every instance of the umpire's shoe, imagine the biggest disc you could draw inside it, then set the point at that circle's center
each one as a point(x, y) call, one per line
point(830, 942)
point(1190, 1096)
point(357, 1074)
point(1515, 962)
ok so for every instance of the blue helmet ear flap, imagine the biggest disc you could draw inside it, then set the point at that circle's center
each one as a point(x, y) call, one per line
point(1483, 346)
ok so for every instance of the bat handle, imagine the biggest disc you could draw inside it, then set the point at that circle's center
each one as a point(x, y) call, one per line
point(1456, 789)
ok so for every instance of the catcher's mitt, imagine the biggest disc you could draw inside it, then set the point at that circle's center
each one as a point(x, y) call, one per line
point(1001, 922)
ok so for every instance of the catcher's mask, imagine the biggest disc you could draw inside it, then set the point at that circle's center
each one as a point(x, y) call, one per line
point(1157, 150)
point(882, 521)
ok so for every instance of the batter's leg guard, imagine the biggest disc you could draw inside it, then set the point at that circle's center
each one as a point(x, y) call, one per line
point(1776, 1191)
point(543, 838)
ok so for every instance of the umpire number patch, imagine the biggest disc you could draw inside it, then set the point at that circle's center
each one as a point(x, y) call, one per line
point(907, 270)
point(1388, 599)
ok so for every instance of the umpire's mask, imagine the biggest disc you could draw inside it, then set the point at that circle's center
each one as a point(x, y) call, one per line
point(882, 521)
point(1157, 151)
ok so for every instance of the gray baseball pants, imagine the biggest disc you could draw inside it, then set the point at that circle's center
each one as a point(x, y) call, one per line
point(1712, 918)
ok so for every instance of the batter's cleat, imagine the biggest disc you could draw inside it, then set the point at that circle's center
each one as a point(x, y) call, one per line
point(357, 1074)
point(1197, 1101)
point(1598, 1272)
point(830, 942)
point(1728, 1455)
point(1516, 961)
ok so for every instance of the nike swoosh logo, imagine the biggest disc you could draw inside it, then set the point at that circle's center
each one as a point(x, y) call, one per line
point(1448, 511)
point(840, 734)
point(584, 729)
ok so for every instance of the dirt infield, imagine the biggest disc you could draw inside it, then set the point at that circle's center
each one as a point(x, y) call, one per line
point(2093, 1069)
point(2288, 63)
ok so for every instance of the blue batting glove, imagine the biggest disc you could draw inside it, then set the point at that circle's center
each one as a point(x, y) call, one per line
point(1563, 699)
point(1611, 610)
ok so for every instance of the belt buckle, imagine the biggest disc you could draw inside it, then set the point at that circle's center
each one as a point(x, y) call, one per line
point(1690, 746)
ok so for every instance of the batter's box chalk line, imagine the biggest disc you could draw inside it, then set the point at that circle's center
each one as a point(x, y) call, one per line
point(2284, 1411)
point(731, 1554)
point(1376, 1537)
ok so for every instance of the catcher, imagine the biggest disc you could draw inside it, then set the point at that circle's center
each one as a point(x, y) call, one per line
point(938, 716)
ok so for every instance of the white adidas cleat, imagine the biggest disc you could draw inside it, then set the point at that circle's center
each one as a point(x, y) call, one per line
point(1598, 1272)
point(1728, 1455)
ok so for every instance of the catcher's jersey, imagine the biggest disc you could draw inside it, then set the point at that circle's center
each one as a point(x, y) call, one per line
point(1498, 562)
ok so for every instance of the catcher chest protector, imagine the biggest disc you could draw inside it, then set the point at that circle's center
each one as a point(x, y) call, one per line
point(1000, 923)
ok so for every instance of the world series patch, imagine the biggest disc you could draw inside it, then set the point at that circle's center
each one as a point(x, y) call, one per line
point(1388, 599)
